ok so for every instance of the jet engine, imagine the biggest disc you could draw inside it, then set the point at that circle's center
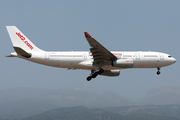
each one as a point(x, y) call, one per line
point(123, 63)
point(111, 73)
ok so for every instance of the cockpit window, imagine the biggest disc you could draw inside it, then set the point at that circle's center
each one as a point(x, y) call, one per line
point(169, 56)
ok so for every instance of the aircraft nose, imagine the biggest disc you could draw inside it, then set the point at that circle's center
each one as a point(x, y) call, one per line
point(171, 60)
point(174, 60)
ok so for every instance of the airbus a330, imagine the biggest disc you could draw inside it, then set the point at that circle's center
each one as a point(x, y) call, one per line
point(99, 60)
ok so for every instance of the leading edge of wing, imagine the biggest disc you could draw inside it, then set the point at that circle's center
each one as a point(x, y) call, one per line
point(99, 52)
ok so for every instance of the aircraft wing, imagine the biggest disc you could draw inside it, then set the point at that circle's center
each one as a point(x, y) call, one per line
point(100, 53)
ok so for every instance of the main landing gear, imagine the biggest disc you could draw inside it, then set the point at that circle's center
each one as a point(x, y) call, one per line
point(94, 74)
point(158, 72)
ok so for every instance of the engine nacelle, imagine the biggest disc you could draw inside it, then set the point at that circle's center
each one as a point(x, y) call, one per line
point(123, 63)
point(111, 73)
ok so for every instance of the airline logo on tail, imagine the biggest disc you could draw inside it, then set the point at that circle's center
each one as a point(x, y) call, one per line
point(23, 39)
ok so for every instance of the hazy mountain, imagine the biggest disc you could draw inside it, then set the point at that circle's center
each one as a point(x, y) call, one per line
point(82, 113)
point(161, 96)
point(166, 110)
point(75, 113)
point(146, 116)
point(24, 102)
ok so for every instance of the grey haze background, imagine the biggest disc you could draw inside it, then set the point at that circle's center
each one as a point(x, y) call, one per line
point(118, 25)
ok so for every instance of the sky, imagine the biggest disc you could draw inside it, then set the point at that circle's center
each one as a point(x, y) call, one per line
point(119, 25)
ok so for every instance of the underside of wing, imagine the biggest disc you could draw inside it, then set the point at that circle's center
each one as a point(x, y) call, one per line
point(100, 53)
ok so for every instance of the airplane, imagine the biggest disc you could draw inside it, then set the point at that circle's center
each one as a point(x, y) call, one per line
point(99, 60)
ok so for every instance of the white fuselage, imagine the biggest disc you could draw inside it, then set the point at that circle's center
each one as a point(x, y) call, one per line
point(99, 60)
point(84, 60)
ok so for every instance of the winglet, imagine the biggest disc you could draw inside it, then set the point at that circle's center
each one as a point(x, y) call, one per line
point(87, 35)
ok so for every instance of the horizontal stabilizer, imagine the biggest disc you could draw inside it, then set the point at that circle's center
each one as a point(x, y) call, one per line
point(21, 52)
point(10, 56)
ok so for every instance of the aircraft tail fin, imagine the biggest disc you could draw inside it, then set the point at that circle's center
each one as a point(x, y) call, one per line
point(22, 45)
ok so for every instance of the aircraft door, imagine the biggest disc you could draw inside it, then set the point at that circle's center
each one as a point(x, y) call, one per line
point(85, 56)
point(46, 55)
point(137, 56)
point(161, 57)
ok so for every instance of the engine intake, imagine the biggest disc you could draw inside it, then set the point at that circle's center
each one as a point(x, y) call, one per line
point(123, 63)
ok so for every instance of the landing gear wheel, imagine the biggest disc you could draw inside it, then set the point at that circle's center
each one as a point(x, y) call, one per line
point(89, 78)
point(101, 71)
point(158, 72)
point(95, 75)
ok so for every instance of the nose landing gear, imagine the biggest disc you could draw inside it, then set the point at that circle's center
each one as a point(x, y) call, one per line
point(158, 72)
point(94, 74)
